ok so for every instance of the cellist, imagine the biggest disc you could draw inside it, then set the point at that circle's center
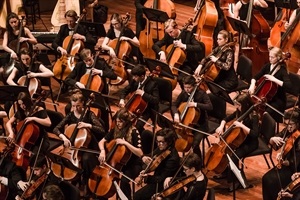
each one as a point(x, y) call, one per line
point(280, 176)
point(184, 40)
point(90, 122)
point(148, 89)
point(200, 101)
point(293, 16)
point(196, 188)
point(68, 29)
point(165, 139)
point(241, 8)
point(249, 126)
point(279, 76)
point(39, 117)
point(125, 134)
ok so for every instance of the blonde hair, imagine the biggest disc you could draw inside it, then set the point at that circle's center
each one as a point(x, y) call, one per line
point(170, 22)
point(277, 52)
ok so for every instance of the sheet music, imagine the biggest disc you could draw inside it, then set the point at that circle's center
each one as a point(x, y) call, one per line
point(236, 171)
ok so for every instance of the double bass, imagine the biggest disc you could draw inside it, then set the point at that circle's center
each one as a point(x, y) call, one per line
point(78, 138)
point(122, 49)
point(66, 63)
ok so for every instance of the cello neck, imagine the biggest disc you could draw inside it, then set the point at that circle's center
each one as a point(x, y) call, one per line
point(88, 85)
point(74, 32)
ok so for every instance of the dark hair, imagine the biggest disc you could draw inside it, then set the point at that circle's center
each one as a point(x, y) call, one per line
point(169, 135)
point(245, 101)
point(124, 116)
point(193, 160)
point(53, 192)
point(138, 70)
point(71, 13)
point(41, 161)
point(84, 53)
point(189, 80)
point(293, 115)
point(77, 95)
point(25, 97)
point(25, 51)
point(9, 17)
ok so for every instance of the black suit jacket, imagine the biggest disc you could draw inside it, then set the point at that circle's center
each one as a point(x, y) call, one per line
point(64, 32)
point(195, 50)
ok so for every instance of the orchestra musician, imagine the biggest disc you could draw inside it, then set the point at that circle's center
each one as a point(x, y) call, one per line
point(68, 29)
point(52, 192)
point(165, 139)
point(195, 189)
point(85, 66)
point(223, 58)
point(279, 76)
point(90, 122)
point(249, 126)
point(12, 33)
point(185, 40)
point(140, 20)
point(116, 24)
point(126, 134)
point(21, 69)
point(41, 173)
point(280, 176)
point(240, 10)
point(200, 101)
point(148, 89)
point(10, 175)
point(39, 117)
point(293, 16)
point(295, 194)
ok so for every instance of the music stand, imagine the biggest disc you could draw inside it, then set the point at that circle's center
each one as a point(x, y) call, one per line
point(96, 29)
point(151, 64)
point(99, 101)
point(64, 162)
point(156, 16)
point(219, 91)
point(163, 121)
point(11, 92)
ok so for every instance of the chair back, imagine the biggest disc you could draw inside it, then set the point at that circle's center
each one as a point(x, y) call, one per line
point(295, 79)
point(244, 68)
point(219, 108)
point(268, 127)
point(165, 94)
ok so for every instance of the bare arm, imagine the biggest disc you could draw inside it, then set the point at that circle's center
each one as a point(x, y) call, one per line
point(11, 77)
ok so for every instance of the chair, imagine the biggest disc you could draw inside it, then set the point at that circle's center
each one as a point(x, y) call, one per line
point(165, 94)
point(267, 130)
point(32, 8)
point(244, 72)
point(294, 91)
point(69, 190)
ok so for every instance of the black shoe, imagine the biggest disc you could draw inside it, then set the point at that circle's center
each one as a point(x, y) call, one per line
point(236, 186)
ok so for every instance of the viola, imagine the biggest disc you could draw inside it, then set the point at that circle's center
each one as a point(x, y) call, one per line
point(155, 162)
point(207, 21)
point(122, 50)
point(176, 187)
point(102, 178)
point(78, 138)
point(291, 187)
point(233, 137)
point(33, 186)
point(33, 84)
point(66, 63)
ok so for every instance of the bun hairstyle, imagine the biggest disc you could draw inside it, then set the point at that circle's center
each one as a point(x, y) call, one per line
point(170, 23)
point(71, 13)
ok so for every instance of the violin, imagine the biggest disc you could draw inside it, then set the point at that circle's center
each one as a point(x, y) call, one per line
point(33, 186)
point(176, 187)
point(233, 137)
point(122, 50)
point(155, 163)
point(102, 178)
point(66, 63)
point(291, 187)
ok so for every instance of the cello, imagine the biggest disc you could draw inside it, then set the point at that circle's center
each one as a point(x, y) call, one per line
point(66, 63)
point(207, 21)
point(102, 177)
point(78, 138)
point(233, 137)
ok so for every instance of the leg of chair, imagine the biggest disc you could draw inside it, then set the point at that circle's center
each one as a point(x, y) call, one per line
point(266, 161)
point(60, 88)
point(51, 93)
point(271, 159)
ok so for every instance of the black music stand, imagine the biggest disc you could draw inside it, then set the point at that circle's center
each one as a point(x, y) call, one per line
point(151, 64)
point(163, 121)
point(63, 162)
point(96, 29)
point(11, 92)
point(99, 101)
point(156, 16)
point(219, 91)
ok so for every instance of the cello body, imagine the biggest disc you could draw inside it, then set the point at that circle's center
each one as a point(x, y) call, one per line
point(136, 104)
point(207, 22)
point(81, 139)
point(102, 178)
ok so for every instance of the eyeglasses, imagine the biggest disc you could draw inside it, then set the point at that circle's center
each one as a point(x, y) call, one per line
point(160, 142)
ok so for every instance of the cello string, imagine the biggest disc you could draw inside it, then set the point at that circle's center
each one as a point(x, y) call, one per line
point(121, 173)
